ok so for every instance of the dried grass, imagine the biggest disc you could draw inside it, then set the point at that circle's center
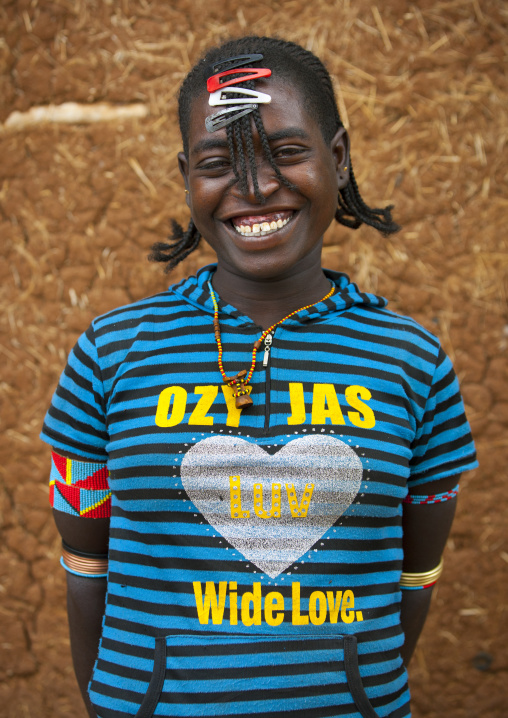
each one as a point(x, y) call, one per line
point(72, 113)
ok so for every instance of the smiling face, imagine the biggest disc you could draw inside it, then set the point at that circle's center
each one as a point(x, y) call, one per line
point(282, 235)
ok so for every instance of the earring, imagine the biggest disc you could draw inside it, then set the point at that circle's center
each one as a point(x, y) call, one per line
point(186, 191)
point(345, 169)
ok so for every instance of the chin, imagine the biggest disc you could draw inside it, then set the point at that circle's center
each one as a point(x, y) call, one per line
point(272, 268)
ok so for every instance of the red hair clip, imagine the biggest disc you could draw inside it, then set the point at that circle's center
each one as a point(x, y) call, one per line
point(213, 83)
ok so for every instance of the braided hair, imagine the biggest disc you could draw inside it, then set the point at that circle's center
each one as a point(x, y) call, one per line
point(301, 68)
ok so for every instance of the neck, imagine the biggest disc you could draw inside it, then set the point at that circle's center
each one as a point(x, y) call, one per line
point(268, 301)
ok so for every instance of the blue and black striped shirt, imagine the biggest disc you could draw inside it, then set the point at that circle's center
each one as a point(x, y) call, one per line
point(255, 556)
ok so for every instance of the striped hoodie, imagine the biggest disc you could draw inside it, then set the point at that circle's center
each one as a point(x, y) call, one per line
point(255, 556)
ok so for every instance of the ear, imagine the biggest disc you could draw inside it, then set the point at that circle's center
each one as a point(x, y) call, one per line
point(183, 166)
point(340, 150)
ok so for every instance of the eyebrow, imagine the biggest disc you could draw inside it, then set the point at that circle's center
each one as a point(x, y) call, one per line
point(288, 132)
point(211, 144)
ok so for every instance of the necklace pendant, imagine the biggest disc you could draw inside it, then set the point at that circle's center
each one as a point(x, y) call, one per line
point(243, 401)
point(240, 391)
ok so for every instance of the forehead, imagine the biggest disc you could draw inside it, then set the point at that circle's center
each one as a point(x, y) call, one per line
point(285, 115)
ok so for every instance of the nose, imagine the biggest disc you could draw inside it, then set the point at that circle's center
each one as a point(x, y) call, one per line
point(260, 180)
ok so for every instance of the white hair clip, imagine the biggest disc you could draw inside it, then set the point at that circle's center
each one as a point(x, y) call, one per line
point(217, 97)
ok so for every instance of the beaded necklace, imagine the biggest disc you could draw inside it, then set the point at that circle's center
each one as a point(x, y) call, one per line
point(239, 382)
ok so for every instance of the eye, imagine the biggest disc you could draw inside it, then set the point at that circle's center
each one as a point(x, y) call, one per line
point(289, 153)
point(215, 165)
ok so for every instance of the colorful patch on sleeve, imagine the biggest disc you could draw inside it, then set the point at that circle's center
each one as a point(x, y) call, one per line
point(432, 498)
point(79, 488)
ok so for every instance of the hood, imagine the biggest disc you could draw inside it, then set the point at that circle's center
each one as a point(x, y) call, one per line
point(196, 292)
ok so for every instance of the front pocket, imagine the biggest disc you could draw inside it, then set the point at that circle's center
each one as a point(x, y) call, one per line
point(255, 676)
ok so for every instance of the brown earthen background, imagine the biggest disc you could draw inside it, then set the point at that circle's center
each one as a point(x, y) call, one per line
point(423, 87)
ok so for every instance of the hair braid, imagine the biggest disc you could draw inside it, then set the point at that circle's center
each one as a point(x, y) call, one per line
point(251, 155)
point(246, 126)
point(242, 175)
point(182, 245)
point(256, 116)
point(351, 204)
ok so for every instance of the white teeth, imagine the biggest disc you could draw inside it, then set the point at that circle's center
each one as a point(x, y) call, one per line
point(259, 230)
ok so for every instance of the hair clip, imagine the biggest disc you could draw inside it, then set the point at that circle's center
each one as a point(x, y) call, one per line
point(216, 98)
point(237, 61)
point(213, 83)
point(219, 91)
point(227, 116)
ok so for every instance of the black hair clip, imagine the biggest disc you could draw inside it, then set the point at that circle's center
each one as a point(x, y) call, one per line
point(232, 62)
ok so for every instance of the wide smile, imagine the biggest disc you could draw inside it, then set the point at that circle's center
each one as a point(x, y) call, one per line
point(261, 225)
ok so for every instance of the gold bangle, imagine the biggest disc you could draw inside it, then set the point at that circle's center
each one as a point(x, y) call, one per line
point(419, 580)
point(83, 565)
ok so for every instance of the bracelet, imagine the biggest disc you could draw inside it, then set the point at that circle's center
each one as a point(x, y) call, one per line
point(431, 498)
point(79, 563)
point(421, 580)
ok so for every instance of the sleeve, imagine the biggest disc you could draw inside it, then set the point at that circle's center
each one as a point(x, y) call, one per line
point(76, 420)
point(443, 445)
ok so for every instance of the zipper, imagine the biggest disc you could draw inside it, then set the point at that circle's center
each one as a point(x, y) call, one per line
point(268, 346)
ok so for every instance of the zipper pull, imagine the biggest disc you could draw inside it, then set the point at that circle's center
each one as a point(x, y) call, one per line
point(268, 344)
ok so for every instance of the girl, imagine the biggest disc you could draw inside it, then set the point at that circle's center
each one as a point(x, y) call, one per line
point(268, 454)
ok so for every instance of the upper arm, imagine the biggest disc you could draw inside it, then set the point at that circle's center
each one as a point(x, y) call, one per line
point(76, 427)
point(80, 498)
point(442, 446)
point(426, 526)
point(88, 535)
point(76, 421)
point(442, 449)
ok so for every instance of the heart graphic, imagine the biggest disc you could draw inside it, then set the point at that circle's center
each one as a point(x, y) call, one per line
point(272, 508)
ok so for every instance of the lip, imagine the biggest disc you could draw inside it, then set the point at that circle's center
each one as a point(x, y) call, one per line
point(257, 212)
point(262, 241)
point(249, 227)
point(233, 221)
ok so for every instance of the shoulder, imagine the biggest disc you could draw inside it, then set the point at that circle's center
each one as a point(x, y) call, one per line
point(176, 304)
point(130, 315)
point(384, 317)
point(366, 315)
point(144, 317)
point(396, 334)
